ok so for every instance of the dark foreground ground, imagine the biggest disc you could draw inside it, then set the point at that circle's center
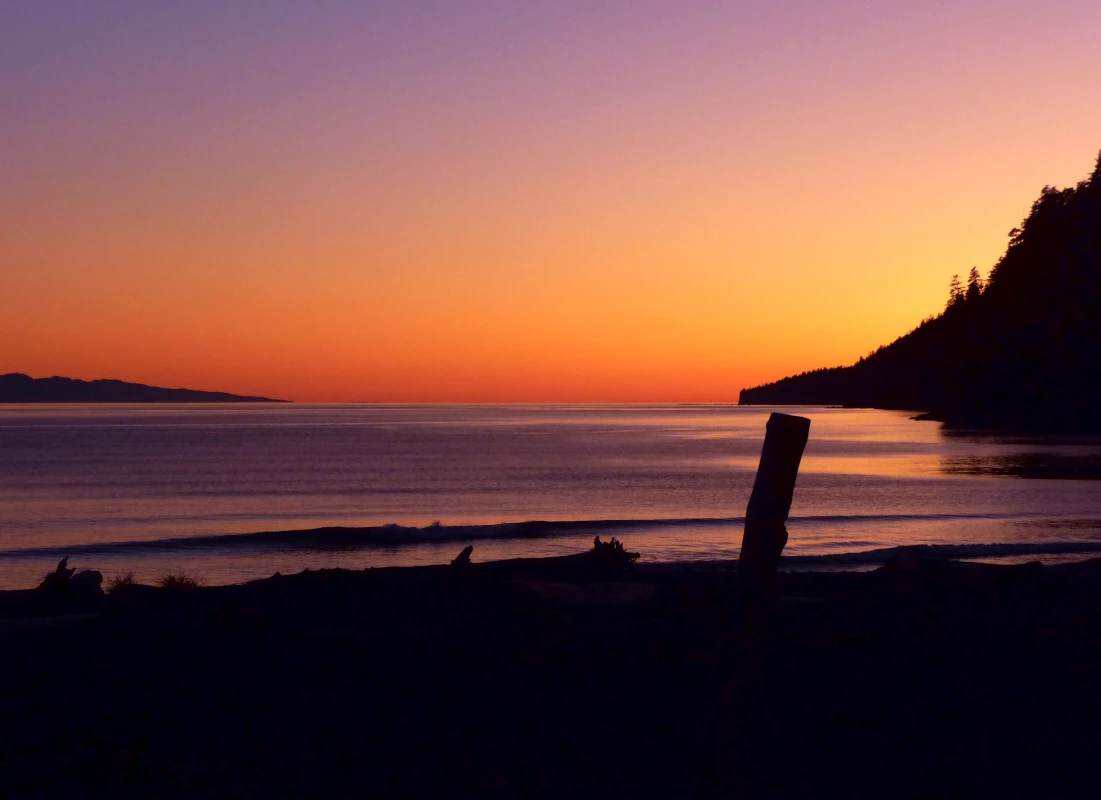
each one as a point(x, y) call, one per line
point(560, 678)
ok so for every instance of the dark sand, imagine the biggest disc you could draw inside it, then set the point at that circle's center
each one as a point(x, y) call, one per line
point(560, 678)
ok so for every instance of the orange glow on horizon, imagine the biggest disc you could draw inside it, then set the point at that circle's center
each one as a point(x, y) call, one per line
point(666, 210)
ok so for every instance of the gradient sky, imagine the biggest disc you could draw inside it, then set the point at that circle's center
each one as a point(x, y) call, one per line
point(499, 201)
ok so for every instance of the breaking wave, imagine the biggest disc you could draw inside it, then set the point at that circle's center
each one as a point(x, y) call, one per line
point(396, 536)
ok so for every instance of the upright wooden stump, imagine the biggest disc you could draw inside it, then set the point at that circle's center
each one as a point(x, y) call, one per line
point(765, 533)
point(742, 758)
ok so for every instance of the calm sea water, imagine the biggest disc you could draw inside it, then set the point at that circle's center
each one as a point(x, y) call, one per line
point(163, 488)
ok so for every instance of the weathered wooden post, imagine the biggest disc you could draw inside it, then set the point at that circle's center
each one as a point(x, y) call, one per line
point(742, 654)
point(765, 535)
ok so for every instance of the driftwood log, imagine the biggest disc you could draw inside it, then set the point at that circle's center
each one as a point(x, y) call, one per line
point(765, 533)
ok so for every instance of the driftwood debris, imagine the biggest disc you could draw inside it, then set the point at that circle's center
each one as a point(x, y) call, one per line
point(66, 582)
point(463, 558)
point(612, 554)
point(58, 580)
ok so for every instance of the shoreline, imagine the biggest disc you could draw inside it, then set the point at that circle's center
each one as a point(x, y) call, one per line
point(21, 571)
point(576, 674)
point(233, 559)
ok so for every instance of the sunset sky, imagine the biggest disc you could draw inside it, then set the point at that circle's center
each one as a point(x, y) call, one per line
point(514, 201)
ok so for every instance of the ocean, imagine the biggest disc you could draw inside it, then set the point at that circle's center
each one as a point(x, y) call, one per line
point(230, 493)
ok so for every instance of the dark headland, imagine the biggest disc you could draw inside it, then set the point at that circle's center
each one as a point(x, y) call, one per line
point(1020, 351)
point(579, 676)
point(16, 387)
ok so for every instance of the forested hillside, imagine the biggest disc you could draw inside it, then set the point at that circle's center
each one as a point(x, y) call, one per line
point(1019, 351)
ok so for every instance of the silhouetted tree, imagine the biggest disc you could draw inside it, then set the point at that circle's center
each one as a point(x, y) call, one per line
point(955, 291)
point(974, 284)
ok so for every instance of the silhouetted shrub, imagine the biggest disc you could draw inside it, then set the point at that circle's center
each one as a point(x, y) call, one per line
point(180, 582)
point(122, 579)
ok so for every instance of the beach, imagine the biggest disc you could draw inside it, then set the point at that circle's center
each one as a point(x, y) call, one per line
point(547, 677)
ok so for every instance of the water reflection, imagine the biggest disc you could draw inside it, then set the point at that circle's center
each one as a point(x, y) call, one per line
point(1022, 456)
point(1051, 466)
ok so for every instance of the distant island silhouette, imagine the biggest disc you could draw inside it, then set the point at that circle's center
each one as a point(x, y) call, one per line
point(1020, 351)
point(19, 388)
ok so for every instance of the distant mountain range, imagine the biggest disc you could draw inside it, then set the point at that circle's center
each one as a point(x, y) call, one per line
point(1021, 351)
point(18, 388)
